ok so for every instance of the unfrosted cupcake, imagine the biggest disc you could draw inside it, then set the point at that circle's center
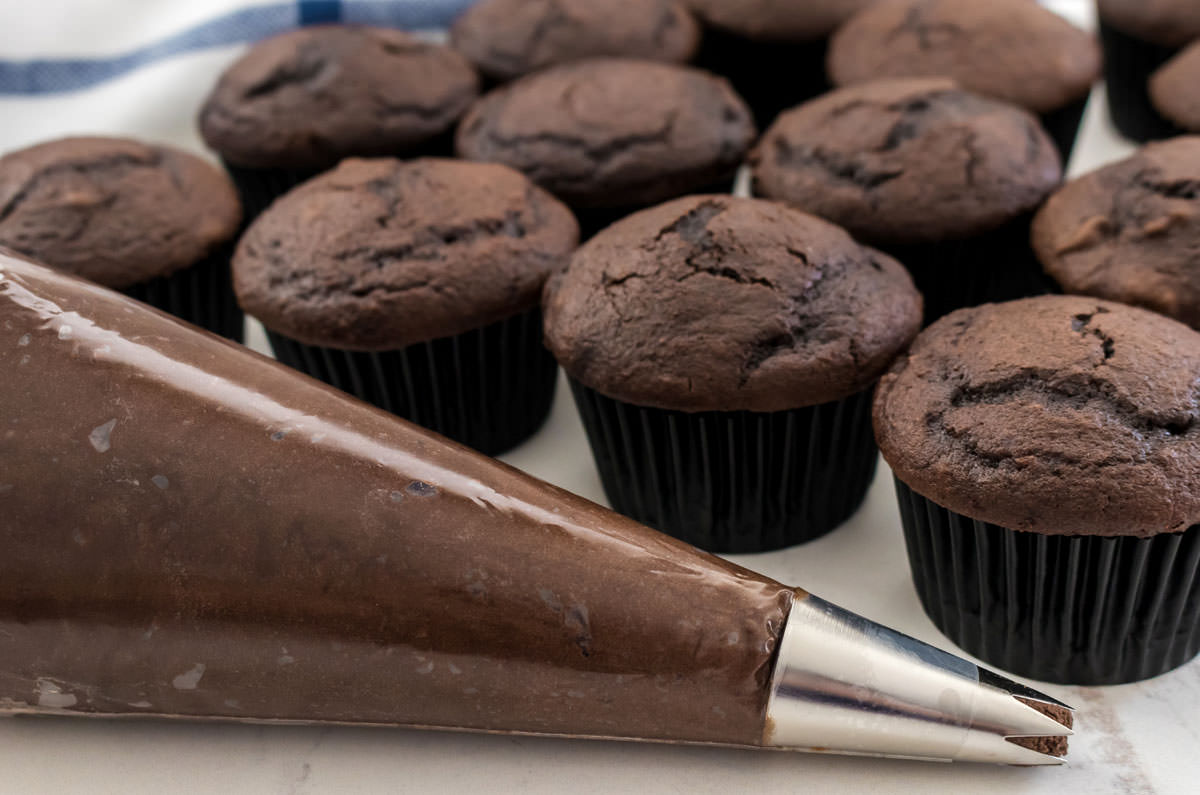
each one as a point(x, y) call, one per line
point(609, 136)
point(415, 286)
point(149, 220)
point(1047, 462)
point(773, 52)
point(1130, 231)
point(1139, 37)
point(1013, 50)
point(1173, 90)
point(506, 39)
point(299, 102)
point(722, 353)
point(944, 180)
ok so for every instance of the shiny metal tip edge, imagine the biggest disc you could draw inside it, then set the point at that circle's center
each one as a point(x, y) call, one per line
point(848, 685)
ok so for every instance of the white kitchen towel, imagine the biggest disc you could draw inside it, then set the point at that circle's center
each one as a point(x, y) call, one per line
point(142, 67)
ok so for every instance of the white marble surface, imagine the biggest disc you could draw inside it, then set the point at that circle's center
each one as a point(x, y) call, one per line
point(1138, 738)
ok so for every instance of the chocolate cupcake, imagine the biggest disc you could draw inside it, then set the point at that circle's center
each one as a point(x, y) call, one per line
point(1130, 231)
point(299, 102)
point(1047, 462)
point(415, 286)
point(722, 352)
point(149, 220)
point(755, 43)
point(506, 39)
point(1013, 50)
point(1173, 89)
point(1140, 36)
point(944, 180)
point(609, 136)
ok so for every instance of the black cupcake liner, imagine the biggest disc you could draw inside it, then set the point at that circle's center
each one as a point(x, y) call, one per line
point(735, 481)
point(771, 76)
point(201, 294)
point(1063, 125)
point(999, 265)
point(258, 187)
point(489, 388)
point(1128, 64)
point(1083, 610)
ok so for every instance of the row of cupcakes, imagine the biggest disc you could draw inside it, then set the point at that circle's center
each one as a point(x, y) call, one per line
point(724, 353)
point(297, 104)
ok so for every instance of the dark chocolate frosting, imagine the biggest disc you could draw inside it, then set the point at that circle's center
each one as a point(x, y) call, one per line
point(612, 132)
point(191, 529)
point(379, 254)
point(114, 210)
point(1056, 415)
point(307, 98)
point(715, 303)
point(1013, 50)
point(509, 38)
point(907, 161)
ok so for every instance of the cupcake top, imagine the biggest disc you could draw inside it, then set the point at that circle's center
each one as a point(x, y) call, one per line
point(774, 20)
point(380, 254)
point(1173, 88)
point(907, 161)
point(1130, 231)
point(1171, 23)
point(612, 132)
point(509, 38)
point(1060, 415)
point(307, 98)
point(716, 303)
point(1013, 50)
point(116, 211)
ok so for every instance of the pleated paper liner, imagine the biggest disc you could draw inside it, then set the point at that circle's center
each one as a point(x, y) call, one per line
point(489, 388)
point(1083, 610)
point(202, 295)
point(771, 76)
point(258, 187)
point(994, 266)
point(1063, 126)
point(1128, 64)
point(735, 481)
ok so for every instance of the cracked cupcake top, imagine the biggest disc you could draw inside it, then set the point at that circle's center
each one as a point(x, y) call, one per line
point(907, 161)
point(715, 303)
point(1130, 231)
point(380, 254)
point(777, 20)
point(510, 38)
point(113, 210)
point(307, 98)
point(611, 132)
point(1057, 415)
point(1013, 50)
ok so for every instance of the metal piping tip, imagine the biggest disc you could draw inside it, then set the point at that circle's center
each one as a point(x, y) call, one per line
point(845, 684)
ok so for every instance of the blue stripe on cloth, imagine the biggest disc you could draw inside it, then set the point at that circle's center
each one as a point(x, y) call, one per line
point(315, 12)
point(58, 75)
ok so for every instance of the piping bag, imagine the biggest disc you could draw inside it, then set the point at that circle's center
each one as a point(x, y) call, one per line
point(192, 530)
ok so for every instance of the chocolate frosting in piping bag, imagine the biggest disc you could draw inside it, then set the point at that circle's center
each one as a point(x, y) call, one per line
point(191, 529)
